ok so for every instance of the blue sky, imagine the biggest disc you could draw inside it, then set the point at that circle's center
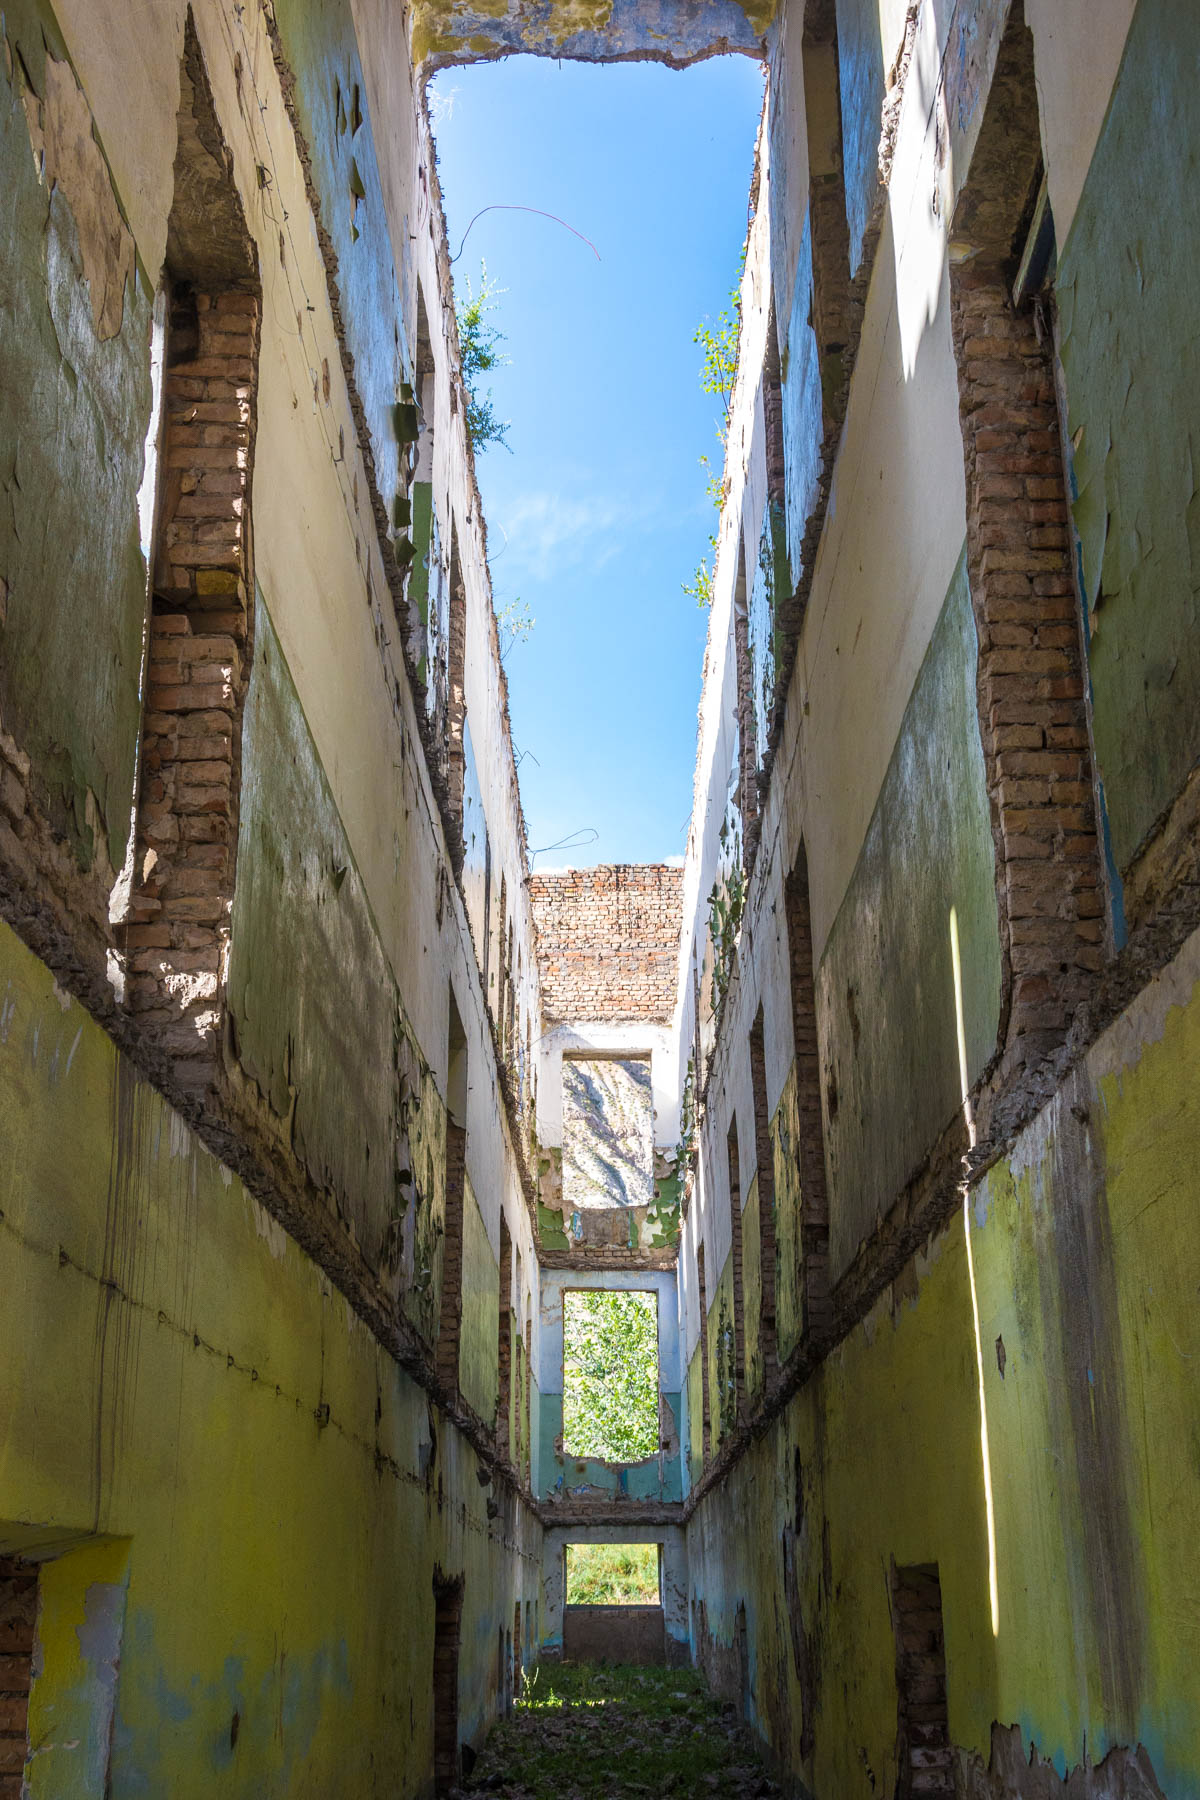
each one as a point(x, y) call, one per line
point(600, 511)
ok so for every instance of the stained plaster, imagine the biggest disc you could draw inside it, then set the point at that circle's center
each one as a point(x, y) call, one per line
point(1124, 290)
point(886, 1004)
point(199, 1384)
point(76, 327)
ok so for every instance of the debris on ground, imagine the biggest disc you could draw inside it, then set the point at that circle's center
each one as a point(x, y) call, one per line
point(587, 1731)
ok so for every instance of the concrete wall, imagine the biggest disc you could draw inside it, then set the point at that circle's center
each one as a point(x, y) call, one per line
point(892, 1369)
point(260, 1416)
point(673, 1578)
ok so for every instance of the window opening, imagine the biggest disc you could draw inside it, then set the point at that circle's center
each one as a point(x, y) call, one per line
point(613, 1575)
point(608, 1133)
point(610, 1374)
point(455, 1178)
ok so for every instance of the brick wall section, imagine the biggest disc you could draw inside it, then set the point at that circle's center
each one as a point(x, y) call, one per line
point(608, 941)
point(1030, 677)
point(1030, 680)
point(739, 1285)
point(927, 1761)
point(18, 1614)
point(450, 1321)
point(200, 626)
point(765, 1161)
point(705, 1400)
point(814, 1203)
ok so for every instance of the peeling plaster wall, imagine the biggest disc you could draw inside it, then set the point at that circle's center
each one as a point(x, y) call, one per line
point(1063, 1290)
point(1085, 1261)
point(1123, 294)
point(75, 320)
point(281, 1656)
point(205, 1401)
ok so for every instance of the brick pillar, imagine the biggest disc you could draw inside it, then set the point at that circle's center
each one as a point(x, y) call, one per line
point(739, 1291)
point(1030, 677)
point(504, 1348)
point(814, 1202)
point(450, 1323)
point(705, 1403)
point(177, 934)
point(765, 1160)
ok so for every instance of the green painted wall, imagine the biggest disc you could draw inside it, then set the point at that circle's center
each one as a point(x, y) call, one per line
point(198, 1393)
point(316, 1015)
point(480, 1333)
point(885, 986)
point(72, 429)
point(1086, 1268)
point(1131, 355)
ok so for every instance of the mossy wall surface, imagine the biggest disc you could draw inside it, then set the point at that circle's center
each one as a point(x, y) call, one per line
point(75, 326)
point(885, 987)
point(1086, 1265)
point(1126, 294)
point(317, 1018)
point(275, 1493)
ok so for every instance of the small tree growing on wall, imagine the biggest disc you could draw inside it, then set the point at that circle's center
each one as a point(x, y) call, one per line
point(479, 344)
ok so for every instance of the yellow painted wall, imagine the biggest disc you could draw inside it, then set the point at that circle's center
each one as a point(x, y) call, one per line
point(179, 1376)
point(1087, 1266)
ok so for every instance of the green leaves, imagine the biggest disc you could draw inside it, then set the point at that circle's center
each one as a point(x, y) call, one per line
point(479, 344)
point(610, 1375)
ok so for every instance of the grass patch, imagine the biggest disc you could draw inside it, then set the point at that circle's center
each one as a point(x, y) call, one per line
point(612, 1574)
point(590, 1732)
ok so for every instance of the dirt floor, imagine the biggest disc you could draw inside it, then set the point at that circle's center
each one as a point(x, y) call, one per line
point(586, 1732)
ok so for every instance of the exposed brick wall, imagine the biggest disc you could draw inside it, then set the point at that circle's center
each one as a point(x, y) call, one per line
point(814, 1203)
point(450, 1323)
point(177, 932)
point(18, 1613)
point(765, 1161)
point(739, 1285)
point(1030, 677)
point(608, 941)
point(923, 1729)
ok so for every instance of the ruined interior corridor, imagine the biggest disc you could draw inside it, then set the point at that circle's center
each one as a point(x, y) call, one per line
point(325, 1115)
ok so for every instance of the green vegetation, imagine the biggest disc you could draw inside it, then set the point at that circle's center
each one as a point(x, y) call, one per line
point(612, 1574)
point(610, 1375)
point(479, 344)
point(584, 1732)
point(718, 372)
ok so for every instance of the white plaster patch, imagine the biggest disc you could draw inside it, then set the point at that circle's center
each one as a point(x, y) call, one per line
point(269, 1229)
point(1144, 1021)
point(64, 999)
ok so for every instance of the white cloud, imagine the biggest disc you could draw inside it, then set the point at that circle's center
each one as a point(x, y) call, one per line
point(547, 534)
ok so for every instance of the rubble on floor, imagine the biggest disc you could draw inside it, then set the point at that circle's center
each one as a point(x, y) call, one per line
point(593, 1732)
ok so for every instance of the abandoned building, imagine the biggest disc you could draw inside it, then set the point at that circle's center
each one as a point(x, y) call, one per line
point(319, 1109)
